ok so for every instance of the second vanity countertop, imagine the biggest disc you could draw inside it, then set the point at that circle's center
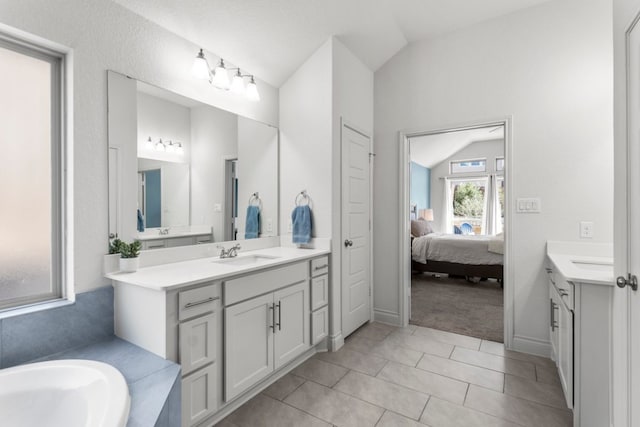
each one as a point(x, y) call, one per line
point(178, 274)
point(581, 265)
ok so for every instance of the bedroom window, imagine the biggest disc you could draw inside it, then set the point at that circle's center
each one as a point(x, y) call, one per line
point(466, 166)
point(468, 205)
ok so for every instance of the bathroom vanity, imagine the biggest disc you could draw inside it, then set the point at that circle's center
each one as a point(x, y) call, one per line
point(580, 302)
point(235, 325)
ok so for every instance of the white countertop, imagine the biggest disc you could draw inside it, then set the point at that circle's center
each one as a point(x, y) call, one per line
point(175, 275)
point(597, 269)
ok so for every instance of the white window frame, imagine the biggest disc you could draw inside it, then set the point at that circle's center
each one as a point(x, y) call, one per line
point(62, 276)
point(470, 170)
point(496, 165)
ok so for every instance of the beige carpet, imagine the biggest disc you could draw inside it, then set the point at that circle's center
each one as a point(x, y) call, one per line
point(455, 305)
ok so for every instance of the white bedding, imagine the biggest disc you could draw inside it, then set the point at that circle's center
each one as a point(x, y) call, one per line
point(458, 248)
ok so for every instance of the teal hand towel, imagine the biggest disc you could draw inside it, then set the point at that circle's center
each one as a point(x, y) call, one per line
point(252, 227)
point(301, 220)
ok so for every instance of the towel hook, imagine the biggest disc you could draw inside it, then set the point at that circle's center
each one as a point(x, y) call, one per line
point(301, 197)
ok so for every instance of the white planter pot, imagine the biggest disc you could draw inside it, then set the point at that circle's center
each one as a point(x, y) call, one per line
point(129, 265)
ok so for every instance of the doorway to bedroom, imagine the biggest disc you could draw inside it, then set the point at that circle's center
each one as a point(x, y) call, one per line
point(456, 208)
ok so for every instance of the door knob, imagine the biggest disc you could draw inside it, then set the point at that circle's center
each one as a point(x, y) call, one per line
point(348, 243)
point(631, 280)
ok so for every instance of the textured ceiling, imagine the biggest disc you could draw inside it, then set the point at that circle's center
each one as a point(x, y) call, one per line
point(272, 38)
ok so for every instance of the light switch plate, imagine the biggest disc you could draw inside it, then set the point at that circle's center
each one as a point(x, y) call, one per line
point(528, 205)
point(217, 207)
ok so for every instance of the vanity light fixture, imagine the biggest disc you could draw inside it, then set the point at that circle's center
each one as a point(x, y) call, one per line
point(160, 145)
point(219, 77)
point(179, 148)
point(149, 144)
point(171, 148)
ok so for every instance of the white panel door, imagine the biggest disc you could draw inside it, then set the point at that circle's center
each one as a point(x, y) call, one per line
point(291, 337)
point(248, 344)
point(356, 283)
point(626, 329)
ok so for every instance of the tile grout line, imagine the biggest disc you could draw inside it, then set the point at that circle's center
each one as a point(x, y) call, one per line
point(425, 408)
point(525, 400)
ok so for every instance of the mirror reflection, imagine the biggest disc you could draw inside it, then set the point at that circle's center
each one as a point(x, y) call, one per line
point(202, 174)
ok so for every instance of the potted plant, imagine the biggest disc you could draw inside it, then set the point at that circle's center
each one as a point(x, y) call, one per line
point(129, 252)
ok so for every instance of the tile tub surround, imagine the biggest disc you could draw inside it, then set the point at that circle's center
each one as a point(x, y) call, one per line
point(32, 336)
point(382, 378)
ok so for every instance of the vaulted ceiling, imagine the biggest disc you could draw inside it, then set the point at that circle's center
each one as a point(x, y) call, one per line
point(272, 38)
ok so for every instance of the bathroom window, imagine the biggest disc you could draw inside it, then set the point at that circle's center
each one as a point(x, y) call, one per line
point(32, 165)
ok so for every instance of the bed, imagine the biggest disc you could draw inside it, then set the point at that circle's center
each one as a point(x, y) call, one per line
point(458, 254)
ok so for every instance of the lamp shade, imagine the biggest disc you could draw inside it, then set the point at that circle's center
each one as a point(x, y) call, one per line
point(237, 84)
point(200, 68)
point(221, 77)
point(426, 214)
point(252, 91)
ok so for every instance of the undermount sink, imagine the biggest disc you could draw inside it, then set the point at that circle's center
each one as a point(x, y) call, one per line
point(245, 260)
point(593, 266)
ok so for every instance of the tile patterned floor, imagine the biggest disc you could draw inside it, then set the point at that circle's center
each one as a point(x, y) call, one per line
point(391, 377)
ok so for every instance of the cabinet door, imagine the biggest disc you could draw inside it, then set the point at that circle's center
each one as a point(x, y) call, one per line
point(197, 343)
point(292, 322)
point(199, 395)
point(565, 364)
point(248, 344)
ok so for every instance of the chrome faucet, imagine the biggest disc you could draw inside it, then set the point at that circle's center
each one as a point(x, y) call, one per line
point(229, 253)
point(163, 231)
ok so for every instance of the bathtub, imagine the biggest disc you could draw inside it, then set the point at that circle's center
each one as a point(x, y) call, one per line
point(63, 393)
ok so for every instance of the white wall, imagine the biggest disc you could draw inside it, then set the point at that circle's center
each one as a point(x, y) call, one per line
point(258, 172)
point(107, 36)
point(476, 150)
point(550, 67)
point(214, 138)
point(306, 139)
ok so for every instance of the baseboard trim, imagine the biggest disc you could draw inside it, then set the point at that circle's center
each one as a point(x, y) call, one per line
point(388, 317)
point(531, 345)
point(336, 342)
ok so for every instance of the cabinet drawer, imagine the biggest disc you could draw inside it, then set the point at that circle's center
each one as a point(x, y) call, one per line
point(319, 291)
point(207, 238)
point(154, 244)
point(319, 266)
point(197, 343)
point(199, 395)
point(195, 302)
point(180, 241)
point(243, 288)
point(319, 325)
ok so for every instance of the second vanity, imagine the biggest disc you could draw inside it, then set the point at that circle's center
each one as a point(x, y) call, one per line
point(235, 325)
point(580, 302)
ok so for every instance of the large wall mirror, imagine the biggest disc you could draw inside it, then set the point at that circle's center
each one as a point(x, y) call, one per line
point(182, 172)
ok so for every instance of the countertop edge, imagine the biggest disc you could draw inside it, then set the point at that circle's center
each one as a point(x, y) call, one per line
point(130, 278)
point(558, 259)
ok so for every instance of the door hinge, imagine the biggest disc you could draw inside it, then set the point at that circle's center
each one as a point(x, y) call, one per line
point(631, 280)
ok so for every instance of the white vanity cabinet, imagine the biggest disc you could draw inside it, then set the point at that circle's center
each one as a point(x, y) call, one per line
point(580, 327)
point(264, 332)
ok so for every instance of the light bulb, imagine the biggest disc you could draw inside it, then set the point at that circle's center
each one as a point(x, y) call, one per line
point(180, 148)
point(252, 91)
point(171, 148)
point(237, 84)
point(220, 76)
point(160, 146)
point(200, 68)
point(149, 144)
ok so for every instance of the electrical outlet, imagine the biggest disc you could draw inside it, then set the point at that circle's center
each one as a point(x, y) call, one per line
point(269, 225)
point(586, 230)
point(217, 207)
